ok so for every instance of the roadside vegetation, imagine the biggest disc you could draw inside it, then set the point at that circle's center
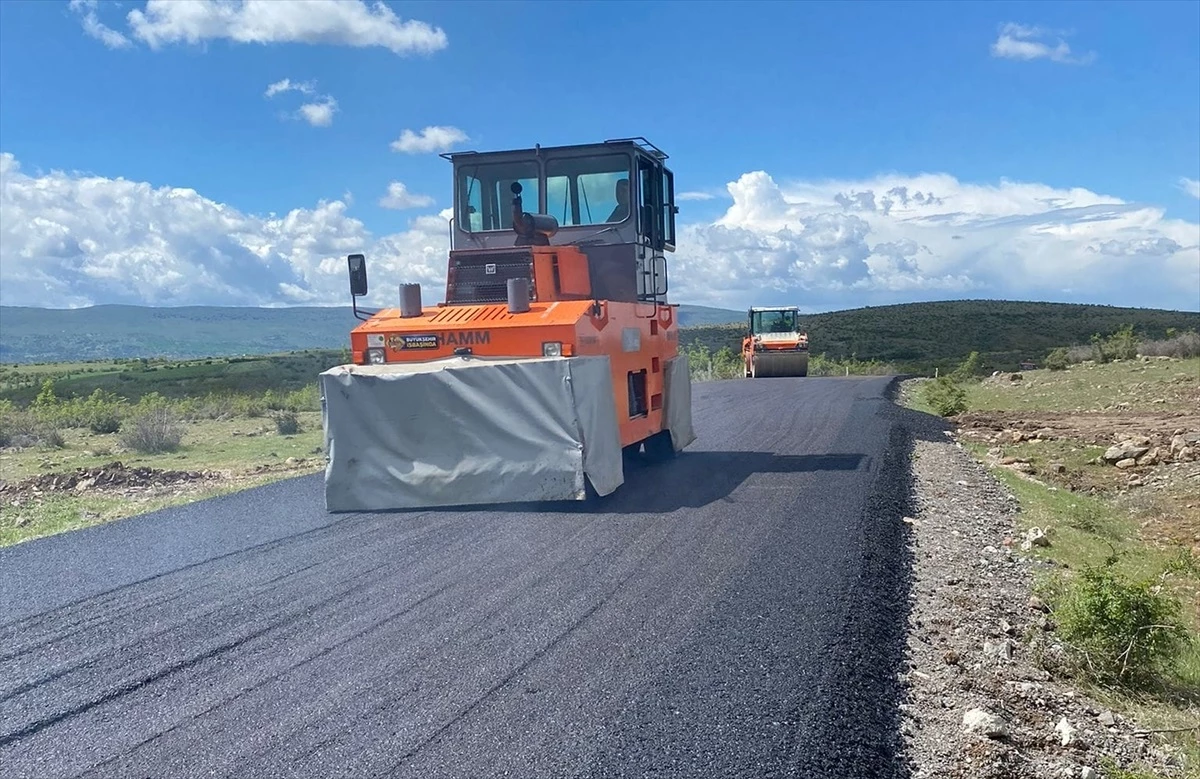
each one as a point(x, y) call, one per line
point(68, 461)
point(1102, 449)
point(927, 338)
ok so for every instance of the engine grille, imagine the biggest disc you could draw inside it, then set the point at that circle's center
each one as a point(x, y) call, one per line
point(482, 277)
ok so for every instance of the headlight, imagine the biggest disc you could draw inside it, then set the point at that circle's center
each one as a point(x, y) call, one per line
point(375, 357)
point(552, 348)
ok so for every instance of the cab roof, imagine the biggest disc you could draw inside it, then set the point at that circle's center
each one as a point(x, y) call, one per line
point(636, 142)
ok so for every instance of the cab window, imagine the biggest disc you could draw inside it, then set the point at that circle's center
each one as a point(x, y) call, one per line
point(773, 322)
point(592, 190)
point(485, 197)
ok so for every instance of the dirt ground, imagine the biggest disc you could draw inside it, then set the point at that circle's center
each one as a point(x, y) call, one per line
point(1096, 428)
point(1148, 462)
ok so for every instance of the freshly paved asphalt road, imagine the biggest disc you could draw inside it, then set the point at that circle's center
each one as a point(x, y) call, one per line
point(737, 612)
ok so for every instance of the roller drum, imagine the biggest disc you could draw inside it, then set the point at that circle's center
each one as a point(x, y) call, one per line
point(769, 365)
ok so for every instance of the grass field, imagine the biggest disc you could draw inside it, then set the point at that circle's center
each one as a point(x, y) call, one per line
point(143, 436)
point(1045, 435)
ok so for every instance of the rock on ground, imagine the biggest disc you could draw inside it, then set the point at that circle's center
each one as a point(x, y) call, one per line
point(978, 706)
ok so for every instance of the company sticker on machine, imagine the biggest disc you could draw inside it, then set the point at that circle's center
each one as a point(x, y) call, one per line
point(401, 342)
point(422, 341)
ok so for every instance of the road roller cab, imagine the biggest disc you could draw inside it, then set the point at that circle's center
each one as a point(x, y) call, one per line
point(774, 344)
point(552, 357)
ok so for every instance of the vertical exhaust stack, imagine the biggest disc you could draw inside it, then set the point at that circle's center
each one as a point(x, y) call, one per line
point(410, 300)
point(518, 295)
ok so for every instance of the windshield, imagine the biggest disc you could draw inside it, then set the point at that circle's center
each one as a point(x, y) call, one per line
point(484, 197)
point(588, 190)
point(773, 322)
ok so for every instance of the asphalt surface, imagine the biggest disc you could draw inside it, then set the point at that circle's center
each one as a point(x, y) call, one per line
point(737, 612)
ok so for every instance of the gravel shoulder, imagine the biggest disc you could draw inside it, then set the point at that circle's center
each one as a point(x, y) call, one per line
point(979, 703)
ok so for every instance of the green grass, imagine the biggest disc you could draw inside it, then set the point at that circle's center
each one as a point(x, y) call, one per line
point(174, 378)
point(238, 447)
point(1153, 385)
point(59, 513)
point(1085, 531)
point(207, 445)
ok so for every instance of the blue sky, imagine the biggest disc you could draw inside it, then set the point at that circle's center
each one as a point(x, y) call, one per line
point(821, 98)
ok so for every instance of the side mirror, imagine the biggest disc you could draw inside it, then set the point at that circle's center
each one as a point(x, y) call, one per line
point(358, 275)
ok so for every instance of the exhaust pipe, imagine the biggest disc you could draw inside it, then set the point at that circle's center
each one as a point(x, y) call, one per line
point(518, 295)
point(410, 300)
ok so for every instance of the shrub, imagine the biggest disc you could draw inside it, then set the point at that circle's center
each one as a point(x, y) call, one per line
point(23, 429)
point(945, 396)
point(51, 437)
point(1079, 353)
point(102, 412)
point(968, 368)
point(307, 399)
point(1057, 360)
point(1121, 630)
point(1181, 346)
point(274, 402)
point(153, 428)
point(1121, 345)
point(252, 408)
point(287, 423)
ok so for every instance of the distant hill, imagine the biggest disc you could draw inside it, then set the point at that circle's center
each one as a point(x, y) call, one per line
point(111, 332)
point(914, 337)
point(917, 337)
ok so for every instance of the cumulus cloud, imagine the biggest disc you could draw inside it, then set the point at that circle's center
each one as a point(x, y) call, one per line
point(330, 22)
point(1190, 186)
point(70, 239)
point(896, 238)
point(318, 114)
point(1023, 42)
point(77, 239)
point(398, 197)
point(431, 139)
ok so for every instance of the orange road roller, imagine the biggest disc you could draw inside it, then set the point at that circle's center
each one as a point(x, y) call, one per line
point(553, 357)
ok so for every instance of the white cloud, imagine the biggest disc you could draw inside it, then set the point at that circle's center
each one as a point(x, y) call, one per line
point(894, 238)
point(317, 114)
point(431, 139)
point(93, 26)
point(286, 85)
point(1190, 186)
point(1021, 42)
point(398, 197)
point(326, 22)
point(684, 196)
point(74, 239)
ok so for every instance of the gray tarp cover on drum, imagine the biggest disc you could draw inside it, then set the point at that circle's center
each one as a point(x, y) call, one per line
point(467, 431)
point(677, 409)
